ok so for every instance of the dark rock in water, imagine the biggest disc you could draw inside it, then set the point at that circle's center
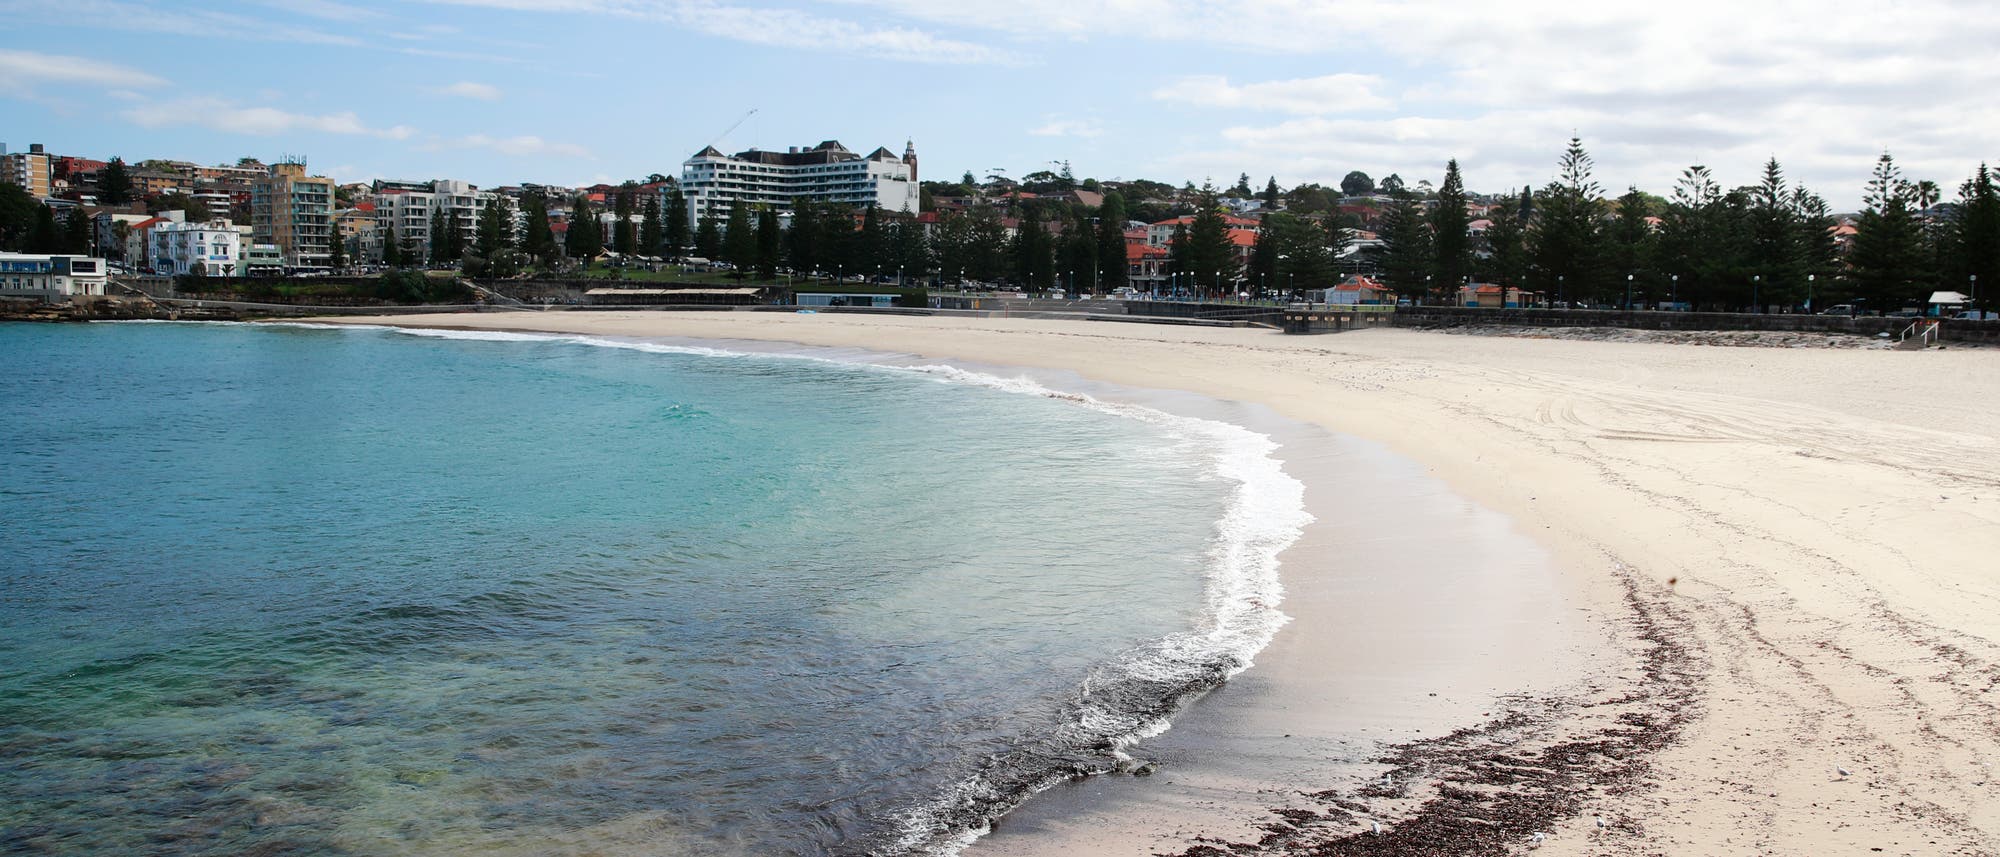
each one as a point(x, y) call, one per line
point(1145, 770)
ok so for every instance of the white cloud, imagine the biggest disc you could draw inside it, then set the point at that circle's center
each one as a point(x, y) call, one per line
point(324, 9)
point(27, 67)
point(1333, 93)
point(1651, 87)
point(773, 27)
point(180, 20)
point(222, 115)
point(1060, 127)
point(526, 145)
point(468, 89)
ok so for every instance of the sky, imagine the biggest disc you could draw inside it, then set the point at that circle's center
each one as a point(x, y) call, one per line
point(580, 91)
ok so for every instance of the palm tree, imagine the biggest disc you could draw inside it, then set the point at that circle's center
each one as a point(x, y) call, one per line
point(1927, 194)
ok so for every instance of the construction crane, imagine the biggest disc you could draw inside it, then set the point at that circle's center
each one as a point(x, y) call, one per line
point(732, 126)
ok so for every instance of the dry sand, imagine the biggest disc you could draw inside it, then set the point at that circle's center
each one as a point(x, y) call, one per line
point(1793, 556)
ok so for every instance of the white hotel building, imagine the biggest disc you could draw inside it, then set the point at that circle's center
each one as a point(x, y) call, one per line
point(176, 248)
point(826, 173)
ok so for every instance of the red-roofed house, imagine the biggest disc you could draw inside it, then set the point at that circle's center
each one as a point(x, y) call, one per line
point(1489, 295)
point(1145, 265)
point(1360, 290)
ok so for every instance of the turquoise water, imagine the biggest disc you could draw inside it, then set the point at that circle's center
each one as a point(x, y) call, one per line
point(311, 591)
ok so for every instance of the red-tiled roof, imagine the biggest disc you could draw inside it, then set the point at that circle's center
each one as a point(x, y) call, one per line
point(364, 206)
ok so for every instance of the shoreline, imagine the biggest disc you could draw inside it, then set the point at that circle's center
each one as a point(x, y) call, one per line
point(1814, 522)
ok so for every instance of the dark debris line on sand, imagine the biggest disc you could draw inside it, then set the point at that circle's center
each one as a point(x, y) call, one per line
point(1488, 789)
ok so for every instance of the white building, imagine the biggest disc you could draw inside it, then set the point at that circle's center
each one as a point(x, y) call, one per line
point(176, 248)
point(36, 275)
point(404, 209)
point(826, 173)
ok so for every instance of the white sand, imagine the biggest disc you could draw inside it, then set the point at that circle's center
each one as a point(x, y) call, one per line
point(1831, 519)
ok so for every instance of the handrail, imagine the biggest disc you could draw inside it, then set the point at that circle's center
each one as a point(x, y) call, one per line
point(1929, 333)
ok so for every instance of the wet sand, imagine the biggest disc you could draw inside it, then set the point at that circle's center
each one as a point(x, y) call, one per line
point(1781, 564)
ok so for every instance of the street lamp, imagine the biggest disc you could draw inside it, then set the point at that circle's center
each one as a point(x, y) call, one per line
point(1628, 292)
point(1564, 301)
point(1973, 279)
point(1809, 290)
point(1674, 291)
point(1756, 281)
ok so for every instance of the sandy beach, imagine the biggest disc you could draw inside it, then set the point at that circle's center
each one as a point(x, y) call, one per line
point(1670, 599)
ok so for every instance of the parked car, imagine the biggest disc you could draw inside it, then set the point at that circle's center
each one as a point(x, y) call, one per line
point(1907, 312)
point(1977, 315)
point(1838, 309)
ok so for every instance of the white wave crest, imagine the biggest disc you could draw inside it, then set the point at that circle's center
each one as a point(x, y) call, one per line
point(1241, 593)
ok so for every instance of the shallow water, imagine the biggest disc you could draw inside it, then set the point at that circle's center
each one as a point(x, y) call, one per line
point(363, 591)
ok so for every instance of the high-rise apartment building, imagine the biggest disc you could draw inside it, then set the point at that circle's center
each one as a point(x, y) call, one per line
point(293, 211)
point(29, 169)
point(826, 173)
point(406, 209)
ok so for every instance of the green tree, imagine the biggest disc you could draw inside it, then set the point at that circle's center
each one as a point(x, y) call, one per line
point(1206, 253)
point(585, 239)
point(678, 235)
point(440, 252)
point(1819, 253)
point(1241, 190)
point(1076, 254)
point(336, 248)
point(76, 233)
point(1975, 237)
point(1272, 196)
point(1033, 253)
point(1111, 262)
point(1451, 237)
point(1887, 259)
point(652, 237)
point(1507, 262)
point(804, 239)
point(392, 250)
point(46, 237)
point(708, 238)
point(1406, 258)
point(1776, 259)
point(872, 246)
point(114, 183)
point(739, 242)
point(767, 244)
point(624, 238)
point(490, 239)
point(454, 234)
point(1564, 239)
point(1632, 249)
point(537, 238)
point(1357, 183)
point(17, 216)
point(1294, 254)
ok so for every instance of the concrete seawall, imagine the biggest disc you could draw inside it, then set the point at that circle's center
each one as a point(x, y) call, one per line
point(1429, 316)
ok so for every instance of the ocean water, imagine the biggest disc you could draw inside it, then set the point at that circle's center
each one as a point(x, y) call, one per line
point(281, 589)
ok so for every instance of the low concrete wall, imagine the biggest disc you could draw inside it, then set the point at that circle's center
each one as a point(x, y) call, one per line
point(1441, 316)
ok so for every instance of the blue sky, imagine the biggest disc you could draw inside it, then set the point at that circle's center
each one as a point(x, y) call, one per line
point(578, 91)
